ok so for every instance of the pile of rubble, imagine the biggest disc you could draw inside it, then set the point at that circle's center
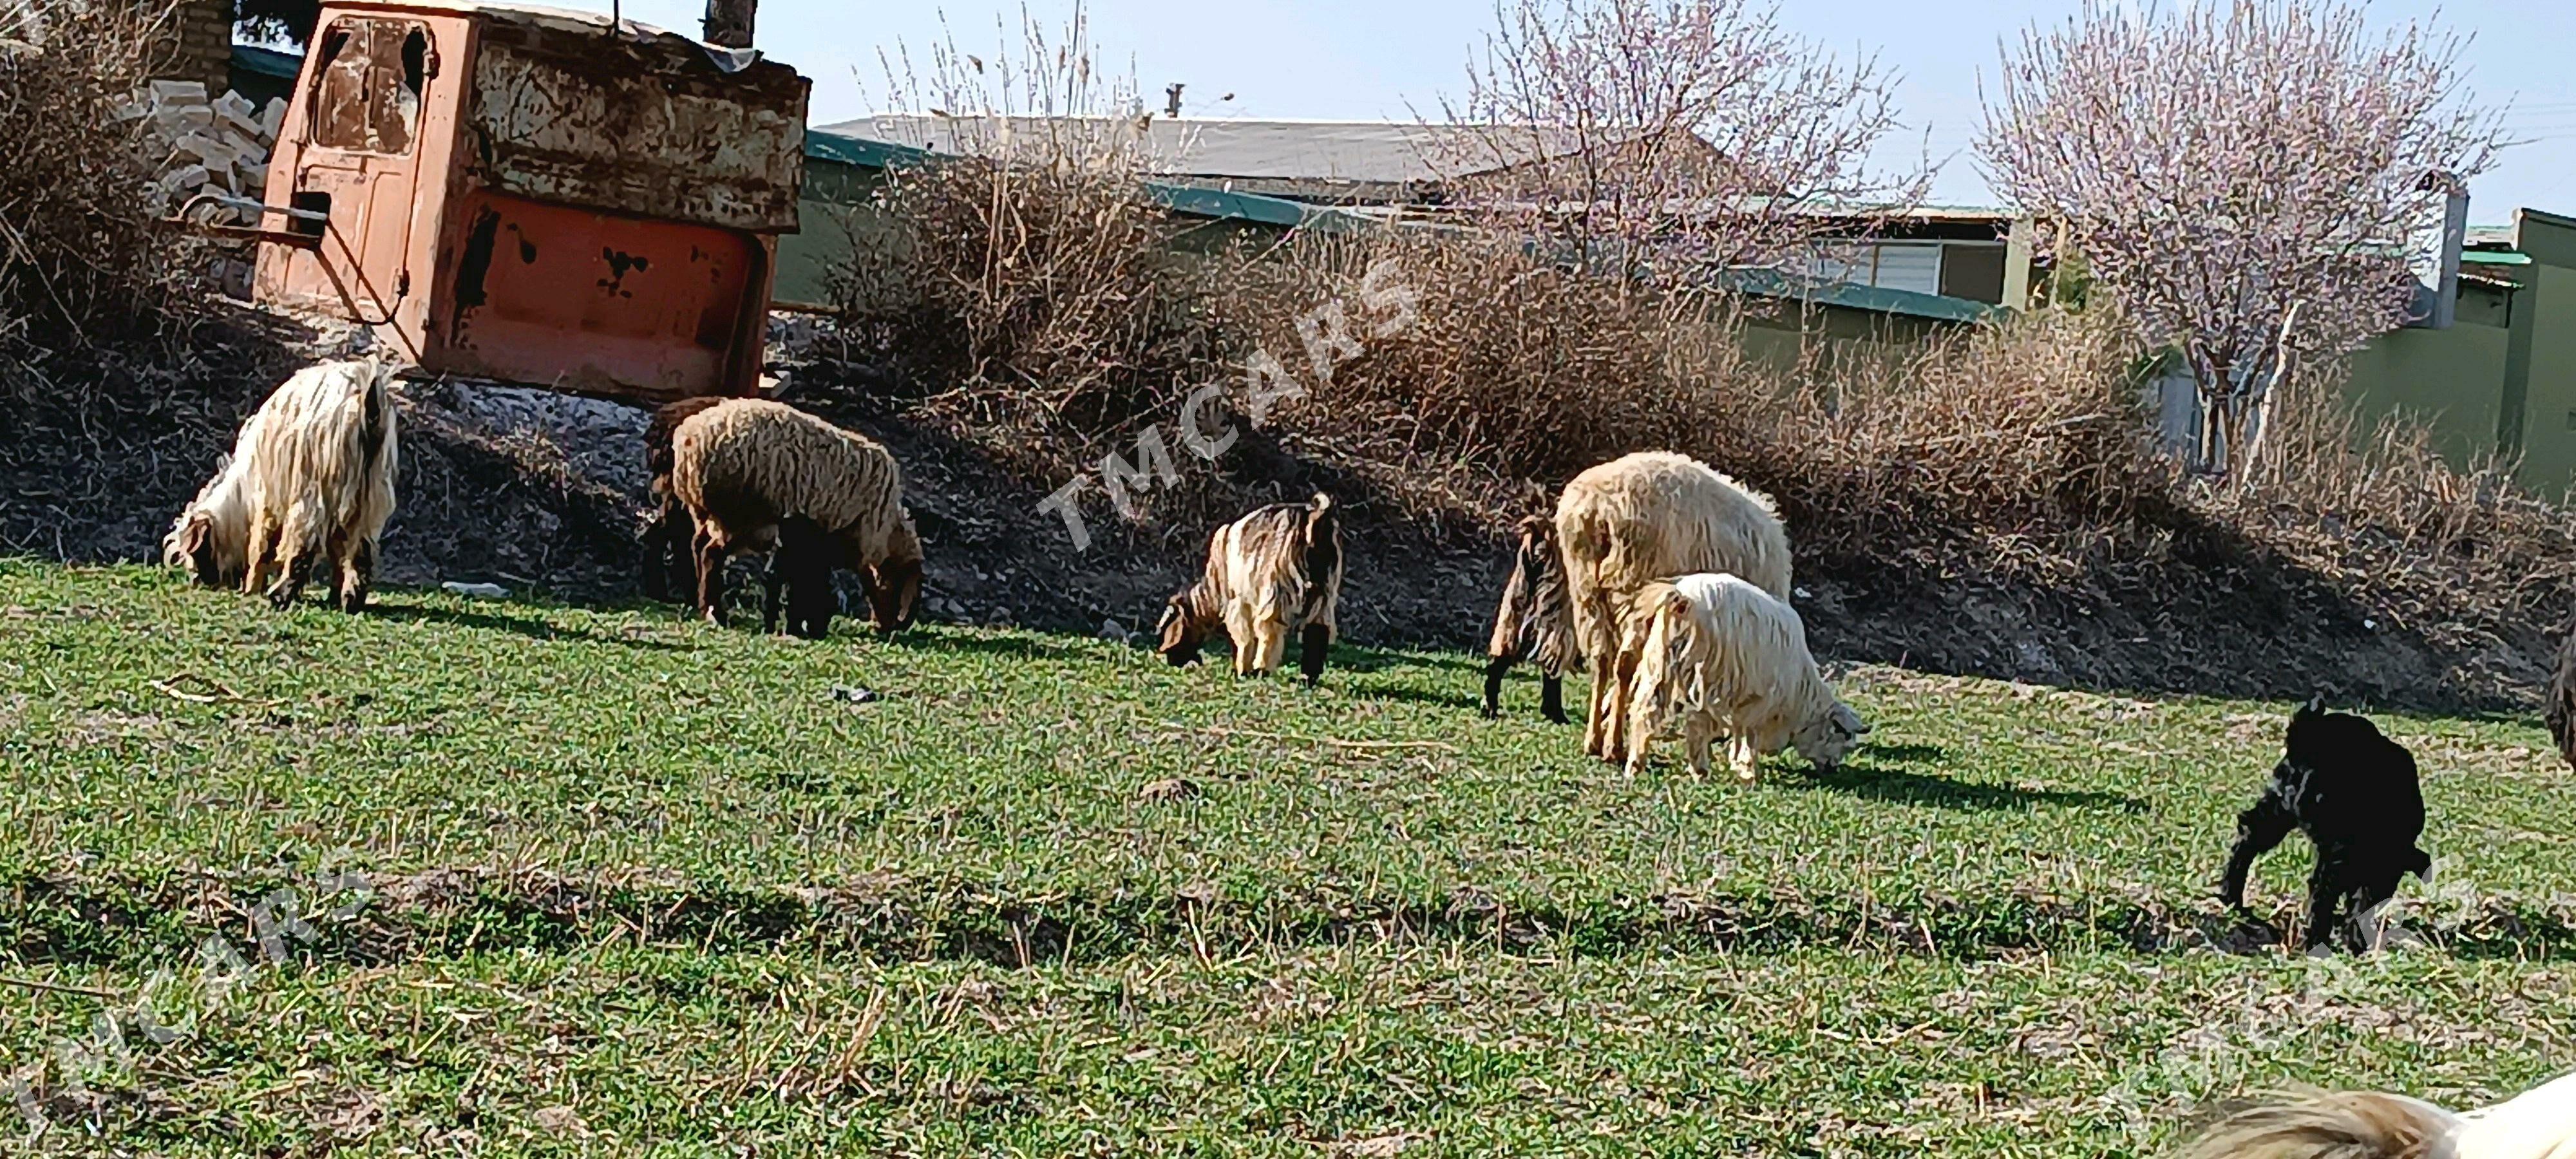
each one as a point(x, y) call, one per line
point(217, 145)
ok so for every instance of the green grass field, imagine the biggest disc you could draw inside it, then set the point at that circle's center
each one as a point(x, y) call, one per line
point(644, 886)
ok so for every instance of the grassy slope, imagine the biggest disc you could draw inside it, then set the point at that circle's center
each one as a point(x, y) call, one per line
point(653, 881)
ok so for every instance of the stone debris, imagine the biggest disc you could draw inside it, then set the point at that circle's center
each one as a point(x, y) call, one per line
point(207, 144)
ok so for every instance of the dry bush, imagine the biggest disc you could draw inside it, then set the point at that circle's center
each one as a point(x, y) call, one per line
point(1031, 292)
point(2017, 449)
point(1510, 366)
point(2434, 544)
point(82, 261)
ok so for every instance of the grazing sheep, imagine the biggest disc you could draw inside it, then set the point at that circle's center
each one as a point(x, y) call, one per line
point(211, 536)
point(2538, 1124)
point(1648, 516)
point(2354, 793)
point(312, 473)
point(1727, 659)
point(800, 568)
point(1535, 621)
point(743, 466)
point(1275, 571)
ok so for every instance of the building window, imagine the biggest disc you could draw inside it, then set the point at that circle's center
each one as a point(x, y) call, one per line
point(1974, 272)
point(368, 78)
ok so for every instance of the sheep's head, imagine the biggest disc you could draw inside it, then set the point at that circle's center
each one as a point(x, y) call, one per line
point(894, 583)
point(197, 543)
point(1535, 616)
point(1826, 740)
point(1183, 632)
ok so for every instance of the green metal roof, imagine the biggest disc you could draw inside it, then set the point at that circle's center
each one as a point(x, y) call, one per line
point(1194, 200)
point(1877, 299)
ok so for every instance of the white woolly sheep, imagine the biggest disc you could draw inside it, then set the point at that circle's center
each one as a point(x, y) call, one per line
point(744, 466)
point(2539, 1123)
point(1649, 516)
point(312, 473)
point(1274, 572)
point(1726, 659)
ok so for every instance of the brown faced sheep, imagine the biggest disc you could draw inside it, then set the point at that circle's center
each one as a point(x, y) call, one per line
point(743, 466)
point(1275, 571)
point(1648, 516)
point(312, 473)
point(1535, 621)
point(1722, 657)
point(800, 568)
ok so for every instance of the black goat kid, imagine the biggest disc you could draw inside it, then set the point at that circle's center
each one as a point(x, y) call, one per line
point(2354, 793)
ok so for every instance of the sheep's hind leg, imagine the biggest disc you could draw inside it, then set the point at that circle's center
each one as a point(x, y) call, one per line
point(362, 576)
point(1551, 702)
point(1595, 734)
point(1623, 694)
point(711, 561)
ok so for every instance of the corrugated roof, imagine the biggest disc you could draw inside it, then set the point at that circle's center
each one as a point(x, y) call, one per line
point(836, 143)
point(1355, 152)
point(1853, 296)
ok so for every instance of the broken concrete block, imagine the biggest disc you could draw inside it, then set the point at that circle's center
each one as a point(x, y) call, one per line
point(254, 178)
point(187, 119)
point(166, 92)
point(245, 147)
point(236, 104)
point(246, 127)
point(184, 177)
point(204, 150)
point(273, 117)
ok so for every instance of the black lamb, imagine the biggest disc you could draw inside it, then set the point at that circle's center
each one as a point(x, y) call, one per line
point(2354, 793)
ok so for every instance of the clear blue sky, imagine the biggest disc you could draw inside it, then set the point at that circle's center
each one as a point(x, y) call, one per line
point(1385, 59)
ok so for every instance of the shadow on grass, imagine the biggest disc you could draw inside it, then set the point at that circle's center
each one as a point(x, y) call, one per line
point(1877, 773)
point(534, 629)
point(1373, 660)
point(928, 638)
point(1403, 694)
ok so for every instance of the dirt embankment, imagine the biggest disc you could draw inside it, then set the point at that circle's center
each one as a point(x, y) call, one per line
point(535, 490)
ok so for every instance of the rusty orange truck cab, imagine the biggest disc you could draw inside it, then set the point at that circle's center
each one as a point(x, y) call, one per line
point(535, 196)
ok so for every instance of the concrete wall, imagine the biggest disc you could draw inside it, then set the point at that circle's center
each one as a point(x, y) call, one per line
point(2548, 427)
point(2452, 380)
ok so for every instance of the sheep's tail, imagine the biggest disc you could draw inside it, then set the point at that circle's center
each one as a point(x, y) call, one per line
point(2336, 1125)
point(377, 421)
point(1682, 651)
point(1322, 555)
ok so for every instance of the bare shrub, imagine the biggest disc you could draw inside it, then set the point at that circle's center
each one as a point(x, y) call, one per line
point(1513, 367)
point(1030, 275)
point(81, 258)
point(1028, 291)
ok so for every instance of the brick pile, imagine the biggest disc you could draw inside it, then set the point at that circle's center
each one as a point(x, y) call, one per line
point(214, 145)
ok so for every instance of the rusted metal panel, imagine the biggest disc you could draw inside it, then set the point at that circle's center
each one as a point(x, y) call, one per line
point(650, 127)
point(535, 197)
point(593, 302)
